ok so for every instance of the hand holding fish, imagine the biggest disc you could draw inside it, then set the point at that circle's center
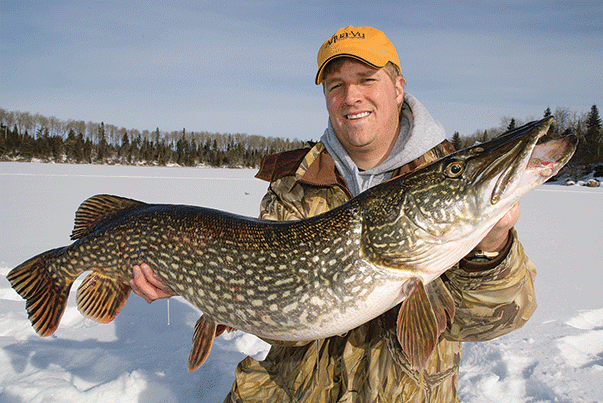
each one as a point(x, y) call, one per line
point(496, 239)
point(147, 285)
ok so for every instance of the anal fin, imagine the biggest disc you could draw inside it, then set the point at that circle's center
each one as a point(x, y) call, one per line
point(101, 297)
point(422, 318)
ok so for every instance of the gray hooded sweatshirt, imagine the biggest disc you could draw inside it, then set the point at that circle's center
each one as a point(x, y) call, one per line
point(419, 132)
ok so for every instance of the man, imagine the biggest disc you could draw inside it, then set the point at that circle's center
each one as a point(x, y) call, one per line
point(376, 131)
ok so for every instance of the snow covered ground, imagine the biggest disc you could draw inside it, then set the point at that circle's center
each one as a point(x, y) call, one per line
point(140, 357)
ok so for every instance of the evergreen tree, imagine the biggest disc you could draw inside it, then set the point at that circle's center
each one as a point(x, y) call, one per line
point(13, 139)
point(69, 145)
point(3, 143)
point(87, 151)
point(27, 146)
point(162, 153)
point(42, 144)
point(78, 149)
point(181, 149)
point(512, 124)
point(594, 136)
point(102, 146)
point(135, 147)
point(456, 141)
point(125, 141)
point(124, 150)
point(57, 148)
point(192, 153)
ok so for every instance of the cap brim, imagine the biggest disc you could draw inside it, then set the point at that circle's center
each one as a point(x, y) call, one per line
point(318, 80)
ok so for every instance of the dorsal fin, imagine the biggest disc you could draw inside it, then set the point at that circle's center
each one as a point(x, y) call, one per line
point(97, 208)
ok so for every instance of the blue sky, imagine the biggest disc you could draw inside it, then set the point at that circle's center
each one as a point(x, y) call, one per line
point(249, 66)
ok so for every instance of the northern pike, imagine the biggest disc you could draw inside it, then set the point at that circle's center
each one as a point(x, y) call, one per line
point(300, 280)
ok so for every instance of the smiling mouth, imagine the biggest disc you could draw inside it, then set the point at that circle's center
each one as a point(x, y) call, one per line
point(357, 115)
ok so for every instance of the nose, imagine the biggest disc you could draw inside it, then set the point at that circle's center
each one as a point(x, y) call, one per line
point(352, 94)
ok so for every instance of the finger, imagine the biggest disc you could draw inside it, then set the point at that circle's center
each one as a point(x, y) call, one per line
point(148, 290)
point(134, 284)
point(510, 218)
point(163, 288)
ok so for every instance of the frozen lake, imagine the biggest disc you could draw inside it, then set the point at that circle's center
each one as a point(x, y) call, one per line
point(556, 357)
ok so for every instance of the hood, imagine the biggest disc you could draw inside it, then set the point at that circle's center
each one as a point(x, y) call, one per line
point(419, 132)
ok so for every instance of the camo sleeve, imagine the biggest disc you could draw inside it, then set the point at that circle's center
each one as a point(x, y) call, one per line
point(282, 201)
point(495, 301)
point(287, 200)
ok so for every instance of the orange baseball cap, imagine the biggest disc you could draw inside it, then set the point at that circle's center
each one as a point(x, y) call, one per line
point(367, 44)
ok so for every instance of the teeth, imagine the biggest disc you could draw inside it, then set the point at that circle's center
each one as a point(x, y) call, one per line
point(358, 115)
point(545, 168)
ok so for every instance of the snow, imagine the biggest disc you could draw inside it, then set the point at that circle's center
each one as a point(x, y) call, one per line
point(140, 357)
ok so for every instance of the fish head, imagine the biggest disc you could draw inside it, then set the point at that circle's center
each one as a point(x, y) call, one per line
point(495, 174)
point(444, 209)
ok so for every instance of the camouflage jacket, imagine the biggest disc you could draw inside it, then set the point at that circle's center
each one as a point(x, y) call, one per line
point(367, 364)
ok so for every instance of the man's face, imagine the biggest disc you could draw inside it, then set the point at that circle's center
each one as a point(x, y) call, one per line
point(363, 106)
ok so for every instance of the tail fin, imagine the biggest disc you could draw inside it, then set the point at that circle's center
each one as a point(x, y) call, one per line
point(46, 291)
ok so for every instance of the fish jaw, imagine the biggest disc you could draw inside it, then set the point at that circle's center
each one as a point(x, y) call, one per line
point(529, 171)
point(546, 161)
point(522, 164)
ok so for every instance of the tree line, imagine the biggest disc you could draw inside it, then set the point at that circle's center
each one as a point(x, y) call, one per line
point(25, 136)
point(586, 126)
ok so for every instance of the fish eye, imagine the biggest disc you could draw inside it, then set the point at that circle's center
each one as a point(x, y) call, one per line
point(454, 169)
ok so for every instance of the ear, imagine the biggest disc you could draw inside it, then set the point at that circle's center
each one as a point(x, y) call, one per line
point(400, 81)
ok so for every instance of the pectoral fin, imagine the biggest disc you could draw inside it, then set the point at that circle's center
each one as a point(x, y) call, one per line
point(422, 318)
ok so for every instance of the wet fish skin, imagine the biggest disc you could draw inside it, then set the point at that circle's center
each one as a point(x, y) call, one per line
point(303, 280)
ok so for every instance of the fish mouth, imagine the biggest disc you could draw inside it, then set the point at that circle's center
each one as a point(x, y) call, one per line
point(515, 163)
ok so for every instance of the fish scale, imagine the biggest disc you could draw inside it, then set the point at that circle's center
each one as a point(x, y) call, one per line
point(303, 280)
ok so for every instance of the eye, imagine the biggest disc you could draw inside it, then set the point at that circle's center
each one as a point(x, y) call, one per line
point(454, 169)
point(333, 86)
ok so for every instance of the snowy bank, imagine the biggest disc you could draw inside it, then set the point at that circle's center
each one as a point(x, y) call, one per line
point(139, 357)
